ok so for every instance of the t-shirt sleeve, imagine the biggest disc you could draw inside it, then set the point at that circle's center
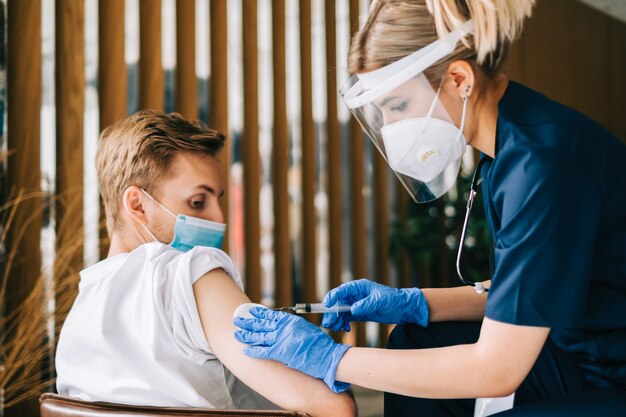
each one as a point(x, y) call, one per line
point(548, 213)
point(182, 312)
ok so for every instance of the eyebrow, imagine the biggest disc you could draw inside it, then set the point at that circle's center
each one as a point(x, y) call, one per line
point(210, 190)
point(387, 100)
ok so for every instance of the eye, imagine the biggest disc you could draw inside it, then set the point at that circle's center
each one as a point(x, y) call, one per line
point(399, 107)
point(197, 201)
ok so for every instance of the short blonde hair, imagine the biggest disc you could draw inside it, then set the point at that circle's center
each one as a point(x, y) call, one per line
point(139, 150)
point(395, 29)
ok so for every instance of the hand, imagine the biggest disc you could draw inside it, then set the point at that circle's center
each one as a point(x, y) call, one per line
point(293, 341)
point(375, 302)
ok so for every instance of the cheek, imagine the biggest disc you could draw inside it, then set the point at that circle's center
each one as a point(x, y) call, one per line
point(162, 227)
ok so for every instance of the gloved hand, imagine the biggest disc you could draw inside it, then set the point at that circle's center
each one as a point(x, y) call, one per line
point(375, 302)
point(293, 341)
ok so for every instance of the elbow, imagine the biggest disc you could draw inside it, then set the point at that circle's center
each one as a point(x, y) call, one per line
point(502, 385)
point(342, 405)
point(346, 406)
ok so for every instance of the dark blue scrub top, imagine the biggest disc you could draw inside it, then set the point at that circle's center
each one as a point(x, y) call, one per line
point(555, 200)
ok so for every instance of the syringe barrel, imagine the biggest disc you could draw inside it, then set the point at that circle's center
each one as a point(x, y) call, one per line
point(321, 308)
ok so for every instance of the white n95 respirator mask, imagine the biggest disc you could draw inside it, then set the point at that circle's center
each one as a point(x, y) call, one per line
point(422, 148)
point(401, 113)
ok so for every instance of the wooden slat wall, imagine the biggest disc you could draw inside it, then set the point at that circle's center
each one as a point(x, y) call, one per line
point(250, 151)
point(23, 143)
point(186, 79)
point(219, 94)
point(333, 146)
point(280, 160)
point(357, 207)
point(151, 80)
point(70, 106)
point(309, 278)
point(576, 55)
point(112, 76)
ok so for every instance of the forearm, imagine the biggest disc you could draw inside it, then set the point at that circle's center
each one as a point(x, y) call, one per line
point(455, 304)
point(450, 372)
point(494, 366)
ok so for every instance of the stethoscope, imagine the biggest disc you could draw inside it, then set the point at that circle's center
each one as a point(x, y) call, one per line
point(476, 180)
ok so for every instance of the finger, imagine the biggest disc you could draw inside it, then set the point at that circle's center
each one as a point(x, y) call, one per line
point(362, 307)
point(258, 352)
point(255, 325)
point(268, 314)
point(330, 319)
point(340, 325)
point(330, 299)
point(345, 293)
point(256, 339)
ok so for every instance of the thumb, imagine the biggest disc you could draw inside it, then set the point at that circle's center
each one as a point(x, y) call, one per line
point(258, 352)
point(362, 307)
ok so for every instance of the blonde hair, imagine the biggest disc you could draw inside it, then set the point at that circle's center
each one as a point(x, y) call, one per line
point(395, 29)
point(139, 150)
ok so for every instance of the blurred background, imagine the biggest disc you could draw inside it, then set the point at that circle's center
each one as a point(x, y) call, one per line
point(309, 203)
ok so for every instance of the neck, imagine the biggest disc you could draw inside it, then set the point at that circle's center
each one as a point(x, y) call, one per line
point(118, 245)
point(483, 132)
point(125, 241)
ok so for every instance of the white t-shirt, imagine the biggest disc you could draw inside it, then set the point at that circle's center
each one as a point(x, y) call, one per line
point(134, 336)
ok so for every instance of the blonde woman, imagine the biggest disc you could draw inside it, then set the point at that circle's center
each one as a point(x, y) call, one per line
point(550, 325)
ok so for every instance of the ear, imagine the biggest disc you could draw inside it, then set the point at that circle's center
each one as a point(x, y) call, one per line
point(461, 75)
point(132, 199)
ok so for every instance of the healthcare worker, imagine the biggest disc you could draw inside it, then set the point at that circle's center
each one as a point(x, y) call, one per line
point(550, 324)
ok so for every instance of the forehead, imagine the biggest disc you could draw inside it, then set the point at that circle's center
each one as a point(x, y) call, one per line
point(193, 168)
point(412, 88)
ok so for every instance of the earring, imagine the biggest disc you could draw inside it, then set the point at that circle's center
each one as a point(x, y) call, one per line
point(467, 89)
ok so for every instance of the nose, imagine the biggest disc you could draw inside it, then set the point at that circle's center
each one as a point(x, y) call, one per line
point(389, 118)
point(216, 214)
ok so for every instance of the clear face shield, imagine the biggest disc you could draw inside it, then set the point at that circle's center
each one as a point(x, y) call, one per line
point(401, 113)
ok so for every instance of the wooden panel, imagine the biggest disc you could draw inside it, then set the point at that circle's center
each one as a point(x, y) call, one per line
point(250, 151)
point(575, 55)
point(357, 206)
point(23, 262)
point(280, 160)
point(23, 142)
point(309, 275)
point(333, 146)
point(70, 105)
point(219, 94)
point(381, 225)
point(112, 77)
point(151, 80)
point(186, 80)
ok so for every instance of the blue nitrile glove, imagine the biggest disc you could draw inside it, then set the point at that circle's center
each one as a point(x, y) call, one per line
point(293, 341)
point(375, 302)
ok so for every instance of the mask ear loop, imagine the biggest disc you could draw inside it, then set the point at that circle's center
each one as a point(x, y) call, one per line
point(432, 108)
point(160, 205)
point(464, 99)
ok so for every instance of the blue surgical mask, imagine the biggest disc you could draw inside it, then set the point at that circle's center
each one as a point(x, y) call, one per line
point(190, 232)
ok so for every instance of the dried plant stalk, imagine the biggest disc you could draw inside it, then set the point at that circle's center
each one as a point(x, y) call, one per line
point(26, 352)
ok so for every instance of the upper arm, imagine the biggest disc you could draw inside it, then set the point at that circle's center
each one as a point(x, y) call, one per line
point(217, 297)
point(508, 352)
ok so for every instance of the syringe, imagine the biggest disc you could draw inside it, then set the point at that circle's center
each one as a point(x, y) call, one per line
point(305, 308)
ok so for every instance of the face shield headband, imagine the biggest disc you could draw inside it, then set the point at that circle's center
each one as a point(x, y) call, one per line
point(401, 113)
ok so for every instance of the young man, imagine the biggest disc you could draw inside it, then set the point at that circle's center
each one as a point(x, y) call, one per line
point(152, 323)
